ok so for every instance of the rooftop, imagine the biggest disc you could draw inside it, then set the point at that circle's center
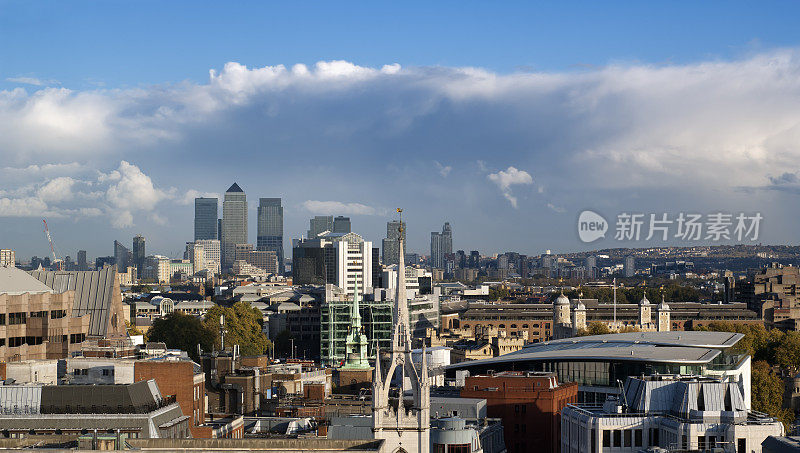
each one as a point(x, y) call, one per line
point(682, 347)
point(15, 281)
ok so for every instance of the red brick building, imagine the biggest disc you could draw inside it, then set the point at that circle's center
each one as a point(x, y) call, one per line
point(529, 403)
point(179, 378)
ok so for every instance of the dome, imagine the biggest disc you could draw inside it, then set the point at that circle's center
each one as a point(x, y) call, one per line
point(580, 306)
point(644, 300)
point(663, 306)
point(562, 300)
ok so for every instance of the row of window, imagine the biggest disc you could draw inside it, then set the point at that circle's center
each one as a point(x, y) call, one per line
point(21, 317)
point(626, 438)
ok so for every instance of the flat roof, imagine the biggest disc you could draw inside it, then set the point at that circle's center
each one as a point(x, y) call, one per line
point(684, 347)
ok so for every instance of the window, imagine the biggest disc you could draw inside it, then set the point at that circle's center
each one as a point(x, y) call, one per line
point(627, 437)
point(2, 319)
point(16, 318)
point(637, 438)
point(593, 446)
point(617, 438)
point(701, 442)
point(741, 445)
point(58, 314)
point(38, 314)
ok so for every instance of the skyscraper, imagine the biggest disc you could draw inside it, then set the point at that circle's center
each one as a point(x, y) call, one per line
point(629, 267)
point(320, 224)
point(82, 264)
point(122, 257)
point(391, 245)
point(270, 228)
point(234, 223)
point(441, 245)
point(341, 224)
point(138, 254)
point(205, 218)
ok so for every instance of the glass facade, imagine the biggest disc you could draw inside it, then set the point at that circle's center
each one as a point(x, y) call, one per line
point(270, 228)
point(205, 218)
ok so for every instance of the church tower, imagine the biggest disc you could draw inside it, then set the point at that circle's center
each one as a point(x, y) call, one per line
point(663, 315)
point(645, 313)
point(403, 428)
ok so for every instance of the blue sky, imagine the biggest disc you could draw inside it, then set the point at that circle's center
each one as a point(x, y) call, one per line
point(506, 119)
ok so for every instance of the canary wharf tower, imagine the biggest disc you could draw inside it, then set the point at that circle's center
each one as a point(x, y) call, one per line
point(234, 223)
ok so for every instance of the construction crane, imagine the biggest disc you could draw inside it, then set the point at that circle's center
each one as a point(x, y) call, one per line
point(57, 263)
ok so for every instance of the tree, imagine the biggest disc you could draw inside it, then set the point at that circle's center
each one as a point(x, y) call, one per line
point(767, 393)
point(787, 352)
point(242, 326)
point(179, 331)
point(594, 328)
point(132, 329)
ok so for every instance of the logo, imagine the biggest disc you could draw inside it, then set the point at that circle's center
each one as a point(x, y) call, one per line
point(591, 226)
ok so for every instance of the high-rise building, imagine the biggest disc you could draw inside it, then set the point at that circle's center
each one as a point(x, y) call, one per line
point(122, 257)
point(205, 218)
point(391, 245)
point(219, 230)
point(474, 260)
point(320, 224)
point(441, 245)
point(334, 258)
point(7, 258)
point(341, 224)
point(82, 264)
point(138, 254)
point(234, 223)
point(630, 266)
point(270, 228)
point(212, 255)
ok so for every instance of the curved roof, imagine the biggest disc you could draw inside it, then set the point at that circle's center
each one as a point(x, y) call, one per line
point(662, 347)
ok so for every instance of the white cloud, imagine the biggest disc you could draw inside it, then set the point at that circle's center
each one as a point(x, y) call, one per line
point(444, 170)
point(191, 194)
point(338, 207)
point(504, 179)
point(31, 81)
point(57, 190)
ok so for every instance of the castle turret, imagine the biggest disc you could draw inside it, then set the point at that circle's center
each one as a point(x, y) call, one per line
point(645, 313)
point(663, 314)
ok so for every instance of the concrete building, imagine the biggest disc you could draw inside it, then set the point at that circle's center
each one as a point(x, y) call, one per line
point(270, 229)
point(597, 362)
point(676, 413)
point(82, 264)
point(36, 321)
point(528, 403)
point(157, 269)
point(212, 255)
point(122, 257)
point(7, 258)
point(205, 218)
point(265, 260)
point(334, 258)
point(629, 268)
point(774, 293)
point(124, 411)
point(234, 223)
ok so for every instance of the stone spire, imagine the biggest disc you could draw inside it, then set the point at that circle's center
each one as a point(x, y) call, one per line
point(402, 427)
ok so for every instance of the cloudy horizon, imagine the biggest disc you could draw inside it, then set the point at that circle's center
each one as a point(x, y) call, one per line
point(509, 159)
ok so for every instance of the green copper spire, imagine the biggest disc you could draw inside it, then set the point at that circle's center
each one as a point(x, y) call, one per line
point(356, 340)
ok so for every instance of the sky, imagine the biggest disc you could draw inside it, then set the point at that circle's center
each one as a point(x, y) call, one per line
point(506, 119)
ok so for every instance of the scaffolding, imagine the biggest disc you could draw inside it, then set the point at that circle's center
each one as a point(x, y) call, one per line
point(335, 322)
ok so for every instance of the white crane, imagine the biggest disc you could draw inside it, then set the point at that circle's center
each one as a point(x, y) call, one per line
point(56, 261)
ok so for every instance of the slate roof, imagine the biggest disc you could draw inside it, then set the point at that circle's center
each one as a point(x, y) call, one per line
point(93, 293)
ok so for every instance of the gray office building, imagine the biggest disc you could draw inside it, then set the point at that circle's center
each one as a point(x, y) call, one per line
point(341, 224)
point(205, 218)
point(391, 245)
point(234, 223)
point(82, 264)
point(320, 224)
point(122, 257)
point(270, 228)
point(441, 245)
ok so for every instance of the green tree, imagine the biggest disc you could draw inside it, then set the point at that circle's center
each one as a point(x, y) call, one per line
point(242, 326)
point(787, 352)
point(132, 329)
point(179, 331)
point(767, 393)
